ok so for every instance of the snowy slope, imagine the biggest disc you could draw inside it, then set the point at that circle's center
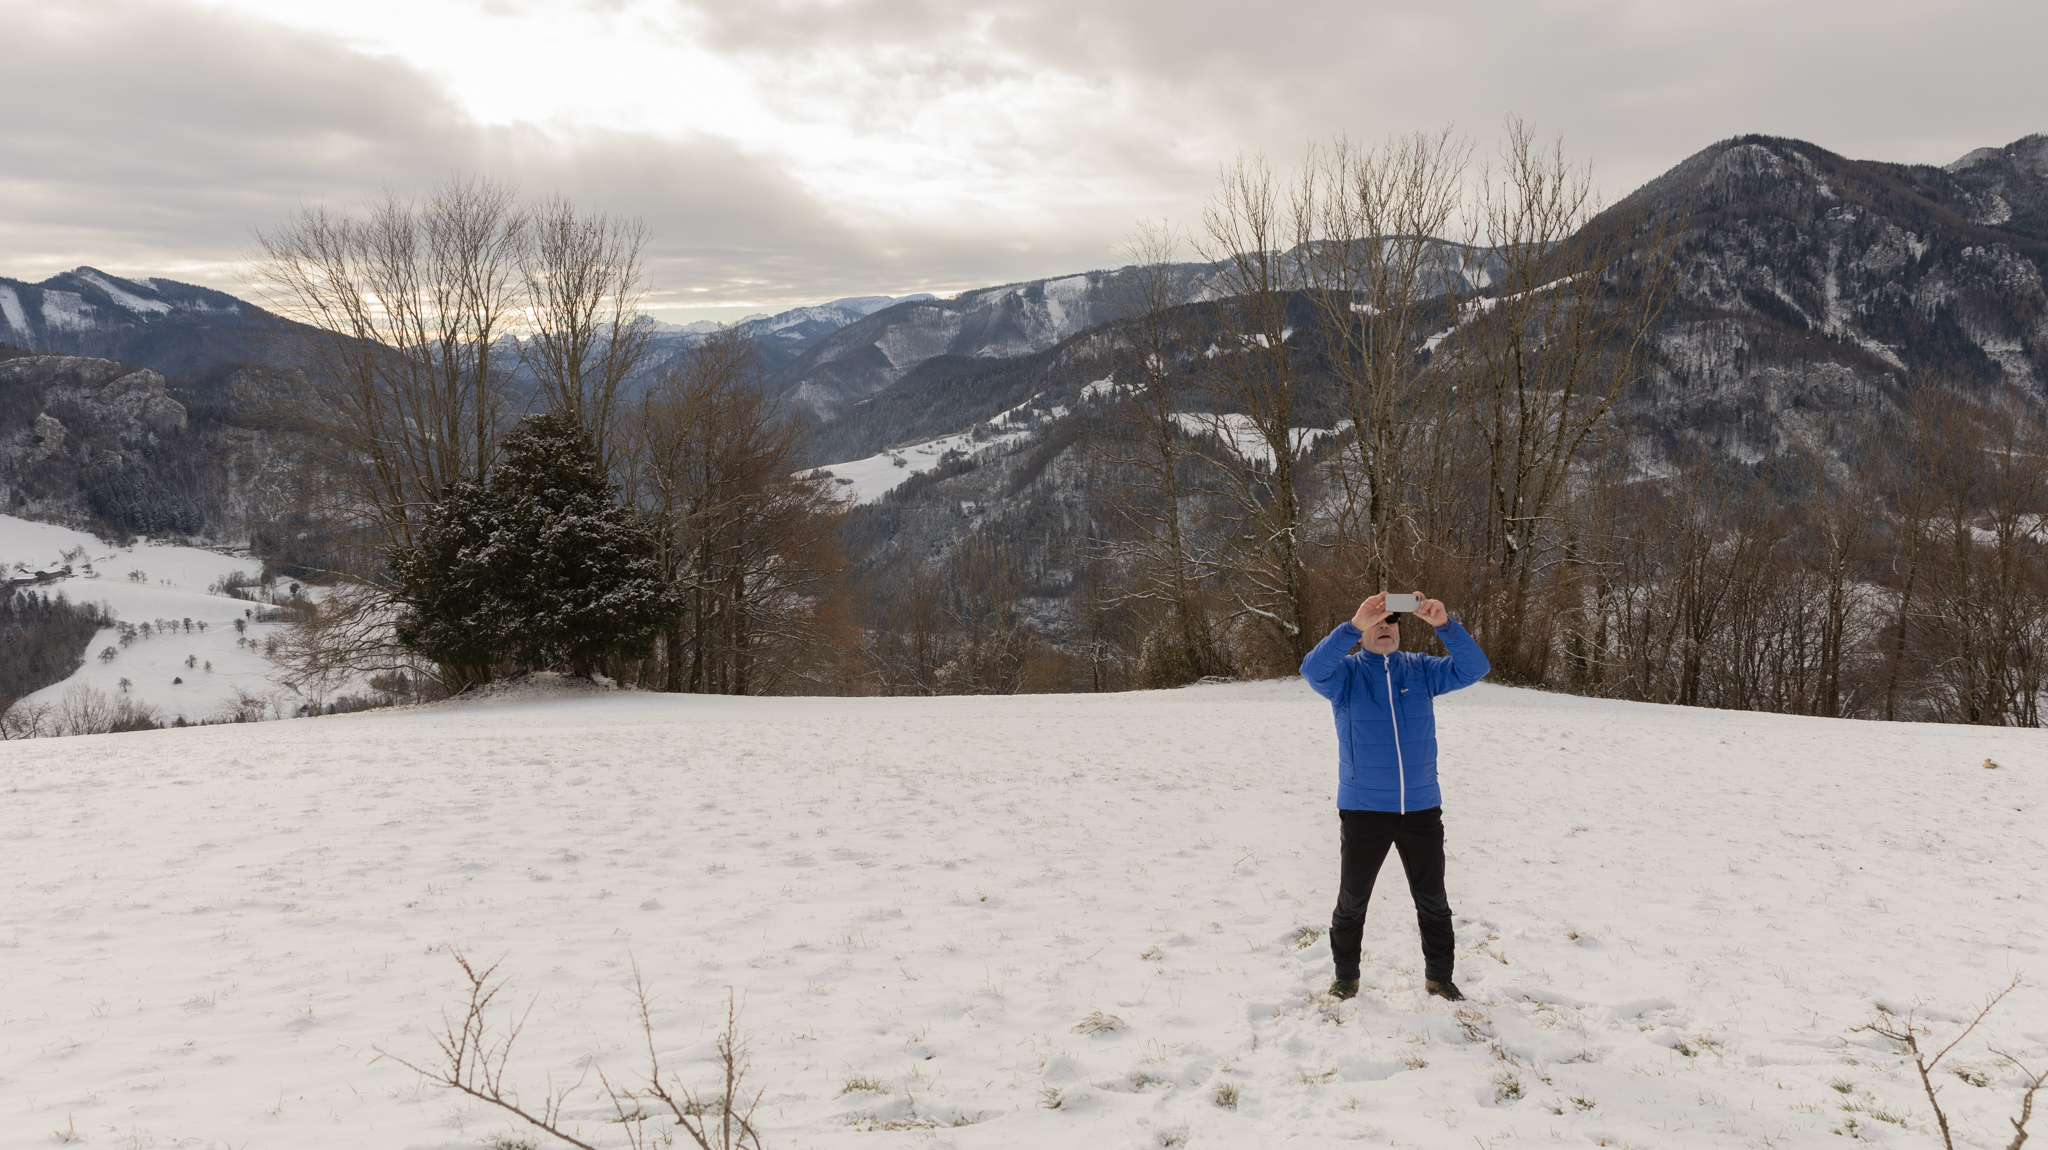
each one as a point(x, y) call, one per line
point(1672, 916)
point(173, 586)
point(867, 480)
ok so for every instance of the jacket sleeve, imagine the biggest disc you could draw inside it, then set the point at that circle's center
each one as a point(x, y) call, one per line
point(1324, 668)
point(1466, 665)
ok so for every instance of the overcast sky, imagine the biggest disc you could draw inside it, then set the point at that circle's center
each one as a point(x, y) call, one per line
point(794, 151)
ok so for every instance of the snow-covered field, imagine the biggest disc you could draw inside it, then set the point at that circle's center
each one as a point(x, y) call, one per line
point(154, 583)
point(867, 480)
point(1669, 921)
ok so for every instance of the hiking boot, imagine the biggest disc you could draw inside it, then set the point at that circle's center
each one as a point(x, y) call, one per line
point(1446, 990)
point(1344, 988)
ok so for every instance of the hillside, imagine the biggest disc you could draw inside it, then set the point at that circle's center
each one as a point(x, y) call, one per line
point(202, 657)
point(175, 329)
point(1815, 284)
point(1812, 287)
point(1670, 921)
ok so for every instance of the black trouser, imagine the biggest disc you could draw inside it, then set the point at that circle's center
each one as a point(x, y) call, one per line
point(1419, 836)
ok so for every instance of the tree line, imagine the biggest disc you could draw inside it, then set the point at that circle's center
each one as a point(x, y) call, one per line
point(503, 479)
point(1885, 562)
point(1400, 369)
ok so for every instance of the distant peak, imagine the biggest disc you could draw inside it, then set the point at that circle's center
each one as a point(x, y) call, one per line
point(1975, 157)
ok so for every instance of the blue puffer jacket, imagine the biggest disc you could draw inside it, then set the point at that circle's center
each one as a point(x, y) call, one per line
point(1386, 757)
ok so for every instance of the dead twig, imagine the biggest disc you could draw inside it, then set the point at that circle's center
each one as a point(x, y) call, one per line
point(474, 1057)
point(1906, 1033)
point(2034, 1083)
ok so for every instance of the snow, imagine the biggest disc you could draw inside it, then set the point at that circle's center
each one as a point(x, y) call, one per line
point(868, 480)
point(1066, 304)
point(10, 310)
point(1105, 386)
point(1674, 915)
point(174, 586)
point(1243, 436)
point(66, 311)
point(127, 299)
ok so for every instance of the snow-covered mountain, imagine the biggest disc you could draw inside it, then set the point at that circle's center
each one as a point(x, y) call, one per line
point(173, 328)
point(1814, 283)
point(784, 336)
point(994, 323)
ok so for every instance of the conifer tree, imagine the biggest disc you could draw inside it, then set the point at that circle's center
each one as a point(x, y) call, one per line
point(540, 567)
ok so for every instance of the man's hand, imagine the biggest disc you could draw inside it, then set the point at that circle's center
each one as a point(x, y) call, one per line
point(1369, 612)
point(1432, 611)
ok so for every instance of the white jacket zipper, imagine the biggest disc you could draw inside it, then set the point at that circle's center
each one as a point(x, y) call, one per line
point(1400, 766)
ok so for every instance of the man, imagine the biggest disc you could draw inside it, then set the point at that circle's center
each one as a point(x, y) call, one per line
point(1386, 772)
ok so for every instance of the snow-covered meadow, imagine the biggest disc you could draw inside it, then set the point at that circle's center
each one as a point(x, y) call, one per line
point(154, 583)
point(1669, 921)
point(868, 480)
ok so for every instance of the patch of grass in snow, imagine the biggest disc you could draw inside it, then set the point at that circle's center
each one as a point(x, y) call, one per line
point(1309, 1078)
point(1306, 937)
point(1842, 1085)
point(1506, 1087)
point(1049, 1098)
point(872, 1124)
point(1226, 1096)
point(505, 1142)
point(860, 1083)
point(1414, 1061)
point(1099, 1023)
point(1973, 1077)
point(1172, 1138)
point(1472, 1024)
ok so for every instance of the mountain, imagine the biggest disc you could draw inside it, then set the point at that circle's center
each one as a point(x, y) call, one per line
point(175, 329)
point(784, 336)
point(988, 324)
point(1814, 284)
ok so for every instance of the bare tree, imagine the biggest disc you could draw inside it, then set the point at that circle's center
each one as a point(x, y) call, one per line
point(583, 287)
point(1251, 385)
point(1149, 501)
point(748, 533)
point(1840, 510)
point(910, 640)
point(988, 590)
point(399, 391)
point(1382, 267)
point(1545, 353)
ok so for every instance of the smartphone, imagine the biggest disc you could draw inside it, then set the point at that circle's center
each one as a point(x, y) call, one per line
point(1399, 604)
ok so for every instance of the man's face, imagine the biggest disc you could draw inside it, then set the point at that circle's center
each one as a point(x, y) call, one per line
point(1383, 637)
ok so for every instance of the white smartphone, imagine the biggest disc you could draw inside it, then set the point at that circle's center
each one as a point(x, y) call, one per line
point(1398, 603)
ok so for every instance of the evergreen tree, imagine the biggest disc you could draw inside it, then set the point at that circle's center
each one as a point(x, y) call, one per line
point(541, 567)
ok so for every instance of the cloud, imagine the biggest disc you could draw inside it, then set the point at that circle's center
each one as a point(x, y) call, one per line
point(1637, 85)
point(792, 150)
point(157, 137)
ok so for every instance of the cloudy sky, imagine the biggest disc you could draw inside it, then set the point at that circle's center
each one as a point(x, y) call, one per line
point(793, 151)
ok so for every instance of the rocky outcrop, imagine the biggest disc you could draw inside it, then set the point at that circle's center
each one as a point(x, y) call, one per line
point(103, 398)
point(97, 443)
